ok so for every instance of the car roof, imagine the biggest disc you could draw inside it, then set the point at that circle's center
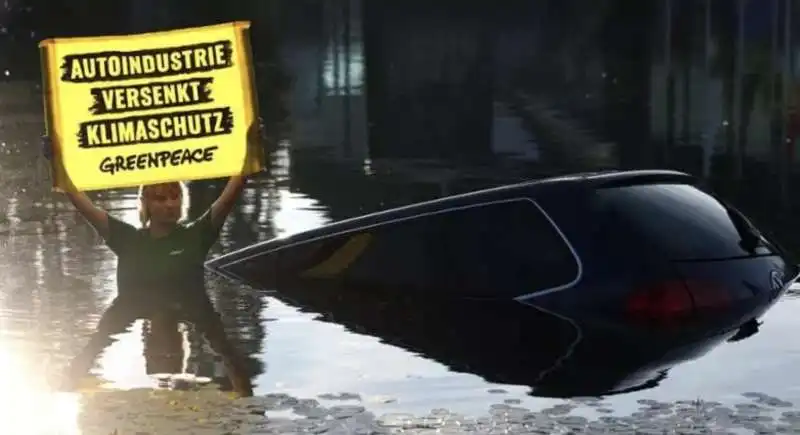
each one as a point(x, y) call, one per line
point(529, 189)
point(526, 189)
point(589, 180)
point(604, 178)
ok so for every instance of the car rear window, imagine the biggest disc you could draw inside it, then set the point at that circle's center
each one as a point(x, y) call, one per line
point(679, 220)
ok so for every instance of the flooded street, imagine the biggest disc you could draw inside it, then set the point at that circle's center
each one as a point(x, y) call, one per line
point(336, 372)
point(58, 278)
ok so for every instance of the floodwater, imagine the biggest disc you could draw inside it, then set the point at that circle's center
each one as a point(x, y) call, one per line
point(58, 278)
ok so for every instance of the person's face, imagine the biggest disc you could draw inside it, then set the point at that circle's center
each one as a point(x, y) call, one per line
point(163, 202)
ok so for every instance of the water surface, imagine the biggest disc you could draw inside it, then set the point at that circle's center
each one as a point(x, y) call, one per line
point(58, 278)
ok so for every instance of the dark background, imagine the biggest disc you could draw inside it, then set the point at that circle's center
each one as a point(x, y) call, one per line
point(705, 86)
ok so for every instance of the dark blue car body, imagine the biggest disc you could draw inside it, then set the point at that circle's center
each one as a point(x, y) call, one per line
point(646, 248)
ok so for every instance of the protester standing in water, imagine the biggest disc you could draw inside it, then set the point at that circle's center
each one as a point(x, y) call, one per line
point(160, 269)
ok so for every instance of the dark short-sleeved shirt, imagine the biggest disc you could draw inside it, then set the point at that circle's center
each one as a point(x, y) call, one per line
point(161, 269)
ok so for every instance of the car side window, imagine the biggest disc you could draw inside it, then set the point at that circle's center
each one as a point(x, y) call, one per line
point(504, 249)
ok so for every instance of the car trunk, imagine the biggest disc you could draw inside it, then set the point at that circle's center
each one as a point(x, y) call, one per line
point(721, 264)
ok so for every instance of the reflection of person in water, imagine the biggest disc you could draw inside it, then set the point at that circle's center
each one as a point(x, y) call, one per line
point(169, 349)
point(160, 270)
point(163, 344)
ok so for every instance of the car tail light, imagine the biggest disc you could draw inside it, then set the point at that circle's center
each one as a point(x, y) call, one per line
point(662, 301)
point(671, 301)
point(708, 295)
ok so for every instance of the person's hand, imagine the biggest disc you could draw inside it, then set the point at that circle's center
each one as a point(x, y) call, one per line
point(47, 147)
point(256, 136)
point(256, 133)
point(48, 150)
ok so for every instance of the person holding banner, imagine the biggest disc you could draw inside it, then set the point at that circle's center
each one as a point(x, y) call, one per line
point(160, 268)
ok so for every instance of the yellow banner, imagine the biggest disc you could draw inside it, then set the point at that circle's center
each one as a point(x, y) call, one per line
point(176, 105)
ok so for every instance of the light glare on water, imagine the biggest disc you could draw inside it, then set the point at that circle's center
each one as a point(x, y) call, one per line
point(27, 403)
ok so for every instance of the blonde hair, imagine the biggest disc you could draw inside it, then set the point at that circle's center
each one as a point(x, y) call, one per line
point(144, 213)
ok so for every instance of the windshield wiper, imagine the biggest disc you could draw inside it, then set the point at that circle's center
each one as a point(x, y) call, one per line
point(750, 237)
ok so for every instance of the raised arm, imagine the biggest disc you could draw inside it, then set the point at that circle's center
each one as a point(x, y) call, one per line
point(96, 216)
point(224, 204)
point(117, 234)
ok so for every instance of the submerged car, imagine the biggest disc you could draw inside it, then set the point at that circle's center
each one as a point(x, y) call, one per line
point(647, 248)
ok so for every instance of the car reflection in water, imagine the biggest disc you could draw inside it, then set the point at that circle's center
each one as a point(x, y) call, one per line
point(511, 343)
